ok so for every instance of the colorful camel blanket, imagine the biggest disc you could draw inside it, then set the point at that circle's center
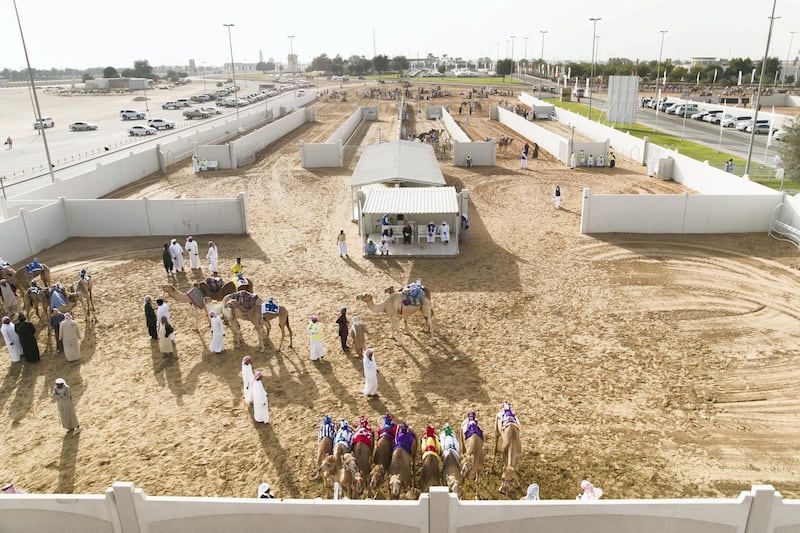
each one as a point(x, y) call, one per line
point(404, 439)
point(449, 444)
point(344, 435)
point(470, 428)
point(197, 297)
point(389, 428)
point(326, 430)
point(34, 267)
point(507, 417)
point(245, 300)
point(431, 446)
point(364, 435)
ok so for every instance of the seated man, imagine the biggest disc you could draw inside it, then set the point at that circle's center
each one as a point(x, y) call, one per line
point(388, 234)
point(431, 231)
point(384, 247)
point(370, 248)
point(269, 307)
point(407, 231)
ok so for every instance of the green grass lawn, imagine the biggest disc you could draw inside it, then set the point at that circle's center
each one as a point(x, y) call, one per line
point(759, 173)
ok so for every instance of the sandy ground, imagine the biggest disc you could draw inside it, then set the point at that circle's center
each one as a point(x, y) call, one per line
point(656, 366)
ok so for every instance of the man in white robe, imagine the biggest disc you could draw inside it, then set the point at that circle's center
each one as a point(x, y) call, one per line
point(260, 402)
point(66, 409)
point(217, 333)
point(314, 330)
point(213, 257)
point(370, 373)
point(12, 340)
point(10, 303)
point(177, 255)
point(194, 252)
point(247, 379)
point(444, 231)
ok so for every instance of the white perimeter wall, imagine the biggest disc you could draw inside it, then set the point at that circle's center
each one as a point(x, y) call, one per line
point(30, 232)
point(547, 140)
point(244, 148)
point(125, 509)
point(483, 153)
point(672, 213)
point(452, 127)
point(331, 152)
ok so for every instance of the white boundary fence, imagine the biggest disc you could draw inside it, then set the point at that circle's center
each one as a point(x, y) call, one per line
point(125, 509)
point(331, 152)
point(30, 232)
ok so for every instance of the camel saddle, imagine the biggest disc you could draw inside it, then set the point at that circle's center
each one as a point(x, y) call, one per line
point(471, 428)
point(344, 435)
point(245, 300)
point(215, 284)
point(431, 447)
point(326, 430)
point(506, 417)
point(389, 428)
point(197, 297)
point(404, 439)
point(363, 435)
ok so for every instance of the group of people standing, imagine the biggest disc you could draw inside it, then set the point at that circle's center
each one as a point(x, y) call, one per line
point(358, 332)
point(172, 256)
point(523, 158)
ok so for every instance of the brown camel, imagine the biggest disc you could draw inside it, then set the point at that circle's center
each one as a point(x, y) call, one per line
point(226, 289)
point(234, 311)
point(324, 449)
point(395, 309)
point(399, 472)
point(383, 451)
point(347, 474)
point(21, 279)
point(84, 291)
point(182, 298)
point(512, 449)
point(474, 455)
point(362, 453)
point(430, 472)
point(327, 472)
point(376, 477)
point(37, 300)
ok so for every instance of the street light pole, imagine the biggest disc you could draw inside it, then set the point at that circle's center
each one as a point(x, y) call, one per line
point(541, 57)
point(233, 69)
point(758, 94)
point(204, 76)
point(658, 74)
point(512, 54)
point(591, 71)
point(291, 53)
point(788, 53)
point(525, 57)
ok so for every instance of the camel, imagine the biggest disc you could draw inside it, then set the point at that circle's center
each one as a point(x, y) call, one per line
point(362, 449)
point(383, 450)
point(504, 142)
point(429, 473)
point(509, 430)
point(401, 468)
point(474, 455)
point(359, 486)
point(376, 477)
point(346, 474)
point(21, 279)
point(233, 311)
point(227, 288)
point(179, 297)
point(325, 441)
point(327, 472)
point(451, 468)
point(38, 301)
point(84, 292)
point(395, 309)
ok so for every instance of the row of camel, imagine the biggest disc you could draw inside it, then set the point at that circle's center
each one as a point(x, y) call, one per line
point(359, 463)
point(39, 301)
point(235, 305)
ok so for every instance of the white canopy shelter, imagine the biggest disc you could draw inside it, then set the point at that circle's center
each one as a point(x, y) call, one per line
point(406, 163)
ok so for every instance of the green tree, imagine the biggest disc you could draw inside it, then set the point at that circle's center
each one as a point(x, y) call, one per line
point(110, 72)
point(678, 74)
point(441, 68)
point(321, 63)
point(790, 150)
point(142, 69)
point(380, 63)
point(261, 66)
point(337, 65)
point(86, 77)
point(503, 67)
point(399, 63)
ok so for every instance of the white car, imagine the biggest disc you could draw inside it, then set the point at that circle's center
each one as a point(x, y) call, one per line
point(171, 105)
point(82, 126)
point(137, 131)
point(731, 122)
point(161, 124)
point(779, 135)
point(45, 122)
point(211, 110)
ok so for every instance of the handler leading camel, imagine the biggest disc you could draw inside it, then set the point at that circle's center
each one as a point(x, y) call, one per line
point(395, 307)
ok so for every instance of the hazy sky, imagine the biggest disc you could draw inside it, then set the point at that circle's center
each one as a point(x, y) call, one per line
point(86, 33)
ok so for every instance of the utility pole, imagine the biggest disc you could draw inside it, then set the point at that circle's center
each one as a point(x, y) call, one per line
point(591, 71)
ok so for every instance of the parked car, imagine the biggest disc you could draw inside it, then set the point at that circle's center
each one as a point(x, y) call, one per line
point(161, 124)
point(672, 109)
point(44, 122)
point(211, 110)
point(779, 135)
point(745, 125)
point(712, 115)
point(131, 114)
point(761, 127)
point(82, 126)
point(171, 105)
point(731, 121)
point(201, 98)
point(717, 118)
point(699, 115)
point(184, 102)
point(137, 131)
point(195, 113)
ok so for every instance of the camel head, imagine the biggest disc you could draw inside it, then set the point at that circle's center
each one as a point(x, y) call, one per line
point(453, 485)
point(327, 467)
point(364, 297)
point(467, 462)
point(411, 494)
point(509, 476)
point(358, 485)
point(376, 476)
point(349, 463)
point(389, 290)
point(232, 304)
point(395, 486)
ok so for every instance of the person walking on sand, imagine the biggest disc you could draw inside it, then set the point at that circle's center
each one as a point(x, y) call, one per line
point(70, 336)
point(260, 400)
point(9, 297)
point(62, 395)
point(165, 337)
point(523, 160)
point(217, 333)
point(177, 255)
point(150, 317)
point(557, 197)
point(27, 339)
point(247, 379)
point(359, 333)
point(213, 257)
point(341, 242)
point(194, 253)
point(315, 334)
point(9, 142)
point(166, 257)
point(343, 328)
point(12, 340)
point(370, 373)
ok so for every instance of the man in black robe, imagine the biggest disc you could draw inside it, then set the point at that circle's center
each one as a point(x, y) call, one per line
point(27, 339)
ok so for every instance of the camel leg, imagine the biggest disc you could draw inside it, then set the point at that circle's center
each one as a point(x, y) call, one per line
point(290, 332)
